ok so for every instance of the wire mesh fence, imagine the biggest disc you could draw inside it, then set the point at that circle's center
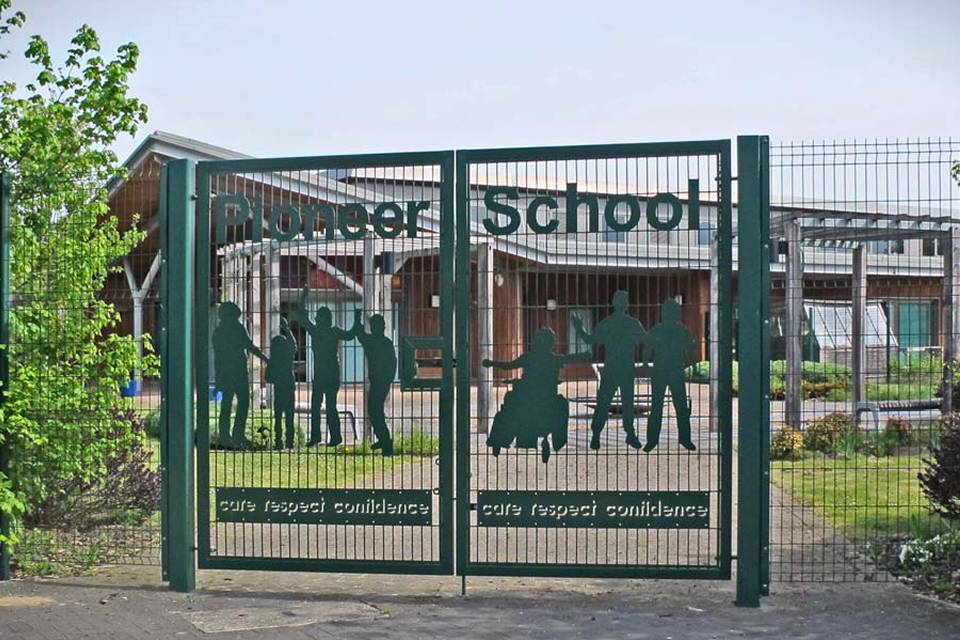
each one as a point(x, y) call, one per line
point(84, 388)
point(863, 318)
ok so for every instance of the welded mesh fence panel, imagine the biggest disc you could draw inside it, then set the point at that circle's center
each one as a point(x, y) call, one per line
point(72, 325)
point(579, 308)
point(863, 317)
point(306, 323)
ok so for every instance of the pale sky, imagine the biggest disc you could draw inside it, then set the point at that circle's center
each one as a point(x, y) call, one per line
point(315, 78)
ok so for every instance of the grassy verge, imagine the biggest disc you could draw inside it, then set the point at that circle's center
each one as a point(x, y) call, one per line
point(863, 497)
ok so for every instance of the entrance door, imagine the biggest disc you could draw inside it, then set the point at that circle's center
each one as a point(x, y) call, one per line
point(356, 474)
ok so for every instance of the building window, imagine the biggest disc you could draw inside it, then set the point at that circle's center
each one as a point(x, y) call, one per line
point(931, 247)
point(705, 235)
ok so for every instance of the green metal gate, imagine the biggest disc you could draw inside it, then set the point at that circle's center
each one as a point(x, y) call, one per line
point(592, 450)
point(577, 299)
point(285, 249)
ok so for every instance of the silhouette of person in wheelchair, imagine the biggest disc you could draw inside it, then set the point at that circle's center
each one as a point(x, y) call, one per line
point(533, 413)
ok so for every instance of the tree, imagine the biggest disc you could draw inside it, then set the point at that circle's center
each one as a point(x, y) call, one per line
point(63, 416)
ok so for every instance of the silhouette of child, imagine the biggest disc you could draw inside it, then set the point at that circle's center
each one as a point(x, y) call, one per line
point(283, 351)
point(382, 364)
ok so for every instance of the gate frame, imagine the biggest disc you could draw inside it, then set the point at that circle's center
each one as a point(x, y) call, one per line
point(444, 565)
point(177, 233)
point(753, 500)
point(464, 158)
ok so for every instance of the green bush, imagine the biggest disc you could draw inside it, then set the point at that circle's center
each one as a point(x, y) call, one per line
point(826, 434)
point(786, 444)
point(931, 565)
point(699, 373)
point(63, 413)
point(826, 373)
point(898, 429)
point(151, 423)
point(917, 364)
point(819, 379)
point(940, 477)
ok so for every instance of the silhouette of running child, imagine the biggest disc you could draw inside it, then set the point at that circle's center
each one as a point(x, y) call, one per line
point(382, 361)
point(325, 343)
point(670, 342)
point(283, 351)
point(231, 342)
point(533, 409)
point(619, 334)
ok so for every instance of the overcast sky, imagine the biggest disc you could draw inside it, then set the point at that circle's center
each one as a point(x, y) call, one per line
point(309, 78)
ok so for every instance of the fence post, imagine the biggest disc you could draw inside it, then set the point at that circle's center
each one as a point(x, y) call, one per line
point(753, 213)
point(177, 238)
point(4, 350)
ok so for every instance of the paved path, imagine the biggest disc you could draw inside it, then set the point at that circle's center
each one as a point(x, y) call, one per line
point(130, 603)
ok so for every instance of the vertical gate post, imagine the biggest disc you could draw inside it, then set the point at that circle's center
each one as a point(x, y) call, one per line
point(177, 238)
point(753, 343)
point(4, 350)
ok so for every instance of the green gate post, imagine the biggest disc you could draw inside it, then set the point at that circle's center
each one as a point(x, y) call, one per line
point(753, 214)
point(4, 341)
point(177, 237)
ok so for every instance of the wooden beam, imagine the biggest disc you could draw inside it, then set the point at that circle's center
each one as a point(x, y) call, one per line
point(858, 324)
point(793, 327)
point(484, 334)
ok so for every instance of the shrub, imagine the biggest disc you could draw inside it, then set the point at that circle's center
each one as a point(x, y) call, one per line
point(128, 490)
point(898, 429)
point(931, 565)
point(151, 423)
point(826, 373)
point(786, 444)
point(940, 477)
point(699, 373)
point(67, 360)
point(826, 434)
point(921, 364)
point(818, 380)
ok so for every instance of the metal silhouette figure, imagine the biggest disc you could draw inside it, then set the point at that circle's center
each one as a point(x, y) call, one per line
point(382, 365)
point(670, 342)
point(619, 334)
point(533, 410)
point(325, 340)
point(283, 351)
point(231, 342)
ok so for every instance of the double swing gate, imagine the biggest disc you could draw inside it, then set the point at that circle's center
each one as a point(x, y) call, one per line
point(499, 362)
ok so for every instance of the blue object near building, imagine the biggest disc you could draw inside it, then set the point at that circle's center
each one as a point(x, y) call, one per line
point(129, 391)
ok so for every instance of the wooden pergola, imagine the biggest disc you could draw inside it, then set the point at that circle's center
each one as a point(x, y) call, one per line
point(826, 225)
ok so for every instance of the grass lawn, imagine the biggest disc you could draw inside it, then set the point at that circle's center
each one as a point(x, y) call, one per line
point(861, 496)
point(313, 468)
